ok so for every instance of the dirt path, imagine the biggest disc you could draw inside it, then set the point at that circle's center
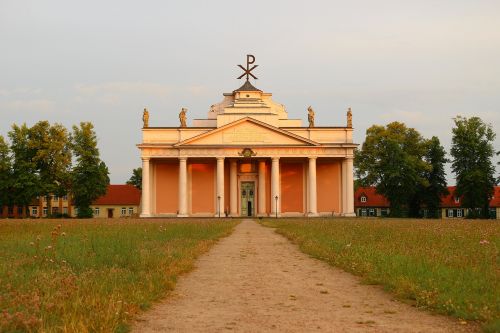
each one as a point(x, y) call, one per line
point(257, 281)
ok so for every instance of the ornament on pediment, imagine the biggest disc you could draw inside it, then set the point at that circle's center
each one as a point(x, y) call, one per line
point(247, 152)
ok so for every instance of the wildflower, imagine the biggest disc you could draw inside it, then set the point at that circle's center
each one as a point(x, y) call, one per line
point(32, 243)
point(484, 241)
point(63, 233)
point(348, 245)
point(49, 247)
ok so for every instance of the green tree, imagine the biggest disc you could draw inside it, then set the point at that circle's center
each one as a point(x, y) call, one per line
point(136, 178)
point(5, 173)
point(25, 183)
point(52, 158)
point(90, 175)
point(391, 159)
point(436, 177)
point(472, 152)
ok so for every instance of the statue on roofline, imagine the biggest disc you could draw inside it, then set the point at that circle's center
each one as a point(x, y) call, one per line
point(349, 118)
point(145, 118)
point(310, 116)
point(182, 117)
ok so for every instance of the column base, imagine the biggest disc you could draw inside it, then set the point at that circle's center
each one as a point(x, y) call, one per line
point(145, 215)
point(349, 215)
point(310, 214)
point(182, 215)
point(262, 215)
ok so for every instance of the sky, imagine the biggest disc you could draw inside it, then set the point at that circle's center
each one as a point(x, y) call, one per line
point(419, 62)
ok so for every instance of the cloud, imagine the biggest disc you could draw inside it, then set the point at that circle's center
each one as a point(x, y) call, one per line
point(27, 105)
point(411, 117)
point(123, 88)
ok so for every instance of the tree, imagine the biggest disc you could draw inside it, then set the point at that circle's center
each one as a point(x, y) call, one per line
point(136, 178)
point(52, 158)
point(25, 182)
point(436, 176)
point(391, 159)
point(90, 175)
point(472, 151)
point(5, 173)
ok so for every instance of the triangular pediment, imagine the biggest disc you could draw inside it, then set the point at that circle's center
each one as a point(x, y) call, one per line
point(247, 131)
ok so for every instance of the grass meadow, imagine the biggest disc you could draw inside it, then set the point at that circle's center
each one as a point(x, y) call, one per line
point(451, 267)
point(93, 275)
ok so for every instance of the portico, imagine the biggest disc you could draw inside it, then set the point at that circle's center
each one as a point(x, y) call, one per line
point(247, 159)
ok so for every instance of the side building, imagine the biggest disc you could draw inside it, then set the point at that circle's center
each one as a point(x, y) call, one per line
point(367, 202)
point(119, 201)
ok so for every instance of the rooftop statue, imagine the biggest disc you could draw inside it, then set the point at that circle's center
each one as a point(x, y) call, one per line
point(310, 116)
point(145, 118)
point(182, 117)
point(349, 118)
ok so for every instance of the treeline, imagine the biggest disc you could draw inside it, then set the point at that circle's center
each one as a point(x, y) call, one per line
point(45, 160)
point(409, 170)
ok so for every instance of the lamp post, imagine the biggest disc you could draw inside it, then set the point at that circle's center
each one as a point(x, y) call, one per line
point(276, 207)
point(218, 205)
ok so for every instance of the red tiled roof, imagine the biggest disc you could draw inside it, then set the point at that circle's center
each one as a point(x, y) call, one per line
point(373, 199)
point(449, 200)
point(120, 195)
point(495, 201)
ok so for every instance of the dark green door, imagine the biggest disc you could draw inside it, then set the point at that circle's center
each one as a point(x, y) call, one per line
point(247, 198)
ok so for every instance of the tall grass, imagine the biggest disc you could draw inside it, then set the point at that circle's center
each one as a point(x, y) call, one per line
point(451, 267)
point(93, 276)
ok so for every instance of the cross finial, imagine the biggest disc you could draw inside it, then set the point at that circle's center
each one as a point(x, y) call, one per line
point(248, 70)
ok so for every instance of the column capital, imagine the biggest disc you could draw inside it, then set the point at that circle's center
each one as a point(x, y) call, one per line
point(275, 158)
point(220, 158)
point(183, 158)
point(313, 157)
point(145, 158)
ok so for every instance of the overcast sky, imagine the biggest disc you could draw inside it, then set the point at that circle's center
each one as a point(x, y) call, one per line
point(419, 62)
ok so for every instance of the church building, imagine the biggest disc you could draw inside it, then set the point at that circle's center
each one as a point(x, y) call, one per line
point(247, 158)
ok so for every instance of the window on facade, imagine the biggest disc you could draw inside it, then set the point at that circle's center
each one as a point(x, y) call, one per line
point(55, 210)
point(384, 212)
point(65, 198)
point(372, 212)
point(450, 212)
point(131, 211)
point(56, 198)
point(124, 211)
point(44, 211)
point(34, 211)
point(363, 212)
point(65, 210)
point(459, 213)
point(363, 199)
point(457, 200)
point(96, 211)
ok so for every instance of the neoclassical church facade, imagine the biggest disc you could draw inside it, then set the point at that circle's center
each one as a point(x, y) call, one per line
point(247, 159)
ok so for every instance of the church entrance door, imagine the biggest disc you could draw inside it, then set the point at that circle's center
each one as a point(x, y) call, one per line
point(247, 198)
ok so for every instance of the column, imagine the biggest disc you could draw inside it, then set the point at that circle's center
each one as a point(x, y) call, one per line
point(146, 205)
point(220, 187)
point(262, 188)
point(311, 181)
point(233, 188)
point(275, 186)
point(344, 187)
point(349, 188)
point(182, 187)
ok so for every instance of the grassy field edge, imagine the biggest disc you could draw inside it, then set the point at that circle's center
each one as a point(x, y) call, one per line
point(450, 269)
point(91, 275)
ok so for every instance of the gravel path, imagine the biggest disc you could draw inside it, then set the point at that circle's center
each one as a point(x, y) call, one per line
point(257, 281)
